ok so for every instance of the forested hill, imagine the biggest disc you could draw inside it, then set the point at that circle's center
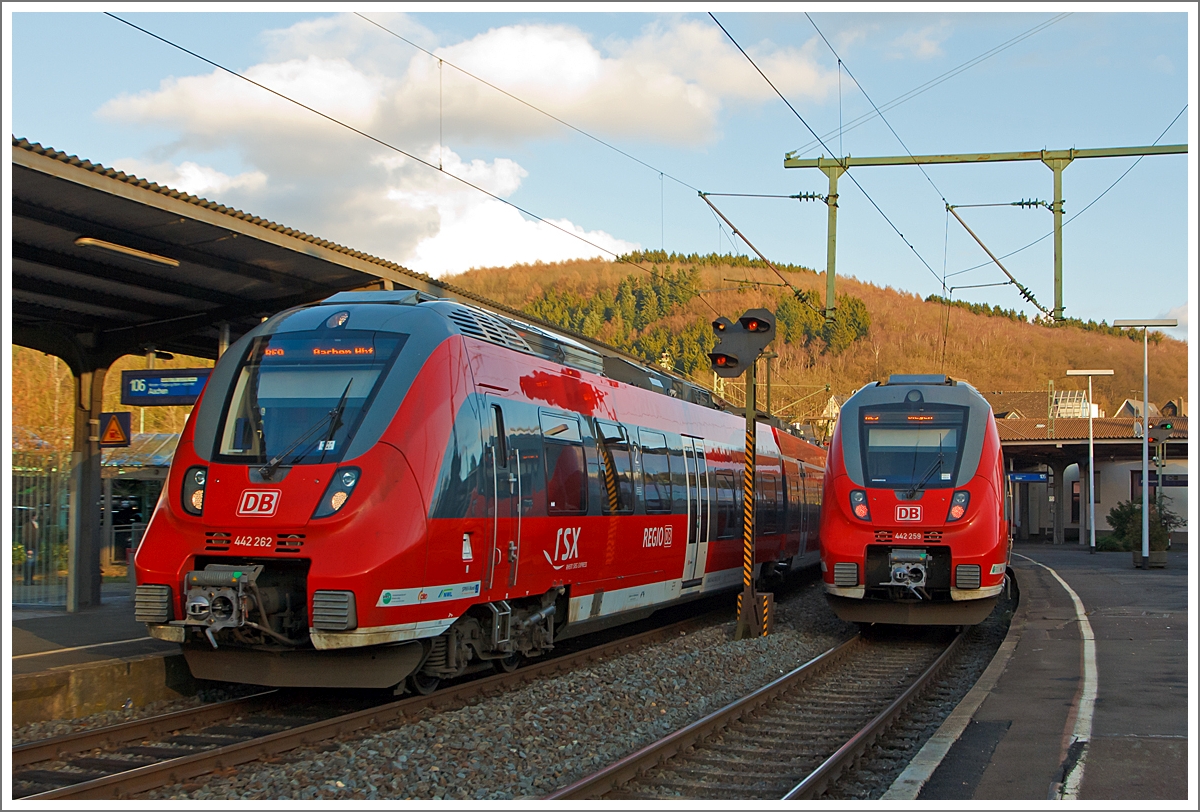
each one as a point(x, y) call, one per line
point(668, 307)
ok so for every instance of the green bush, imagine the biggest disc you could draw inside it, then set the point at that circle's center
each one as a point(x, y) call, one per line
point(1125, 519)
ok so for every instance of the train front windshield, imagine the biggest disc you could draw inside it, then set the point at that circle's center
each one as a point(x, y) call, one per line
point(301, 396)
point(903, 449)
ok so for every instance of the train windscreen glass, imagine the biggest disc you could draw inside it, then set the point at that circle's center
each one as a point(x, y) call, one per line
point(912, 450)
point(303, 395)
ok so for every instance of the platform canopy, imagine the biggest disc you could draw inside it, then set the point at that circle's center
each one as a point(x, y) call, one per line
point(116, 264)
point(105, 264)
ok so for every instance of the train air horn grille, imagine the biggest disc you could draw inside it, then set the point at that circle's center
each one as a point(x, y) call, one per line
point(152, 603)
point(966, 576)
point(334, 611)
point(845, 574)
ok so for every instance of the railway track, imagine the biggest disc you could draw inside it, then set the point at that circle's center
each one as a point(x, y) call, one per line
point(787, 740)
point(138, 756)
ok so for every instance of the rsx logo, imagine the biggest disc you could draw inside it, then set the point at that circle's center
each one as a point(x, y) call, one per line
point(258, 503)
point(908, 513)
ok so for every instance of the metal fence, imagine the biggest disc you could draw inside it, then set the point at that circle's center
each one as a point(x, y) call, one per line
point(40, 510)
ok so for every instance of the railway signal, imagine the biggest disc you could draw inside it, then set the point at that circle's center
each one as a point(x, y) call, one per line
point(1161, 430)
point(738, 346)
point(740, 343)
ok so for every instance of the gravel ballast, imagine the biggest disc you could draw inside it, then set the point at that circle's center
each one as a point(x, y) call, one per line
point(36, 731)
point(528, 742)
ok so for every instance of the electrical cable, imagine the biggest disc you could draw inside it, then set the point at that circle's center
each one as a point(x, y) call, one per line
point(811, 130)
point(937, 80)
point(1085, 208)
point(842, 66)
point(385, 144)
point(518, 99)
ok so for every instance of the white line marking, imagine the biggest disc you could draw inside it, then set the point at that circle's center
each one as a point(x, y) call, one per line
point(1082, 732)
point(80, 648)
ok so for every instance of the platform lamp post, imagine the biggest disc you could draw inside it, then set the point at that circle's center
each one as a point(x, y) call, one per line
point(1145, 324)
point(1091, 452)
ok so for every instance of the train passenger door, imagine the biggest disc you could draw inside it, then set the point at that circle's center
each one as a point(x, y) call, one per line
point(504, 543)
point(698, 510)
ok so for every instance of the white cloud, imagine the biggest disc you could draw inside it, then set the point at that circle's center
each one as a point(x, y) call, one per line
point(1181, 314)
point(668, 84)
point(193, 178)
point(475, 231)
point(922, 43)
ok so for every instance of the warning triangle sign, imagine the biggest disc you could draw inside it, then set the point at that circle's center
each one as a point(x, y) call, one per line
point(114, 433)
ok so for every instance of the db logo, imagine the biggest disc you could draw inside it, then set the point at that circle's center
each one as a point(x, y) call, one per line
point(258, 503)
point(908, 513)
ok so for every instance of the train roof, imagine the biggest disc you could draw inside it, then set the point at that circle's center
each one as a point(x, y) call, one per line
point(539, 341)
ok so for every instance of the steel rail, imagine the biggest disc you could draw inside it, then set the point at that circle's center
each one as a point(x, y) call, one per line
point(653, 754)
point(176, 770)
point(820, 778)
point(70, 743)
point(656, 753)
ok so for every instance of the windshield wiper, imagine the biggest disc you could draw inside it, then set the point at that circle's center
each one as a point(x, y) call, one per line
point(335, 421)
point(937, 466)
point(335, 415)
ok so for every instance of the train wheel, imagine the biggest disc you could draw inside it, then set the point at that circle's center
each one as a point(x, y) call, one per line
point(507, 665)
point(423, 684)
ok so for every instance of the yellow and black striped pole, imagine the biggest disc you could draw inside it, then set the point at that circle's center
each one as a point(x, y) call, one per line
point(747, 625)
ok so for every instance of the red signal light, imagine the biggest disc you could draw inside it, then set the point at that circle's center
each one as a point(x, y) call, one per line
point(861, 510)
point(957, 511)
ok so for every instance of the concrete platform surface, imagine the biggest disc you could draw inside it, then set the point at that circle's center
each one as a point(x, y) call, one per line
point(67, 665)
point(1018, 744)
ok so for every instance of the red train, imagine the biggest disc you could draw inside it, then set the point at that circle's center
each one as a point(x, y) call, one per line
point(915, 526)
point(386, 487)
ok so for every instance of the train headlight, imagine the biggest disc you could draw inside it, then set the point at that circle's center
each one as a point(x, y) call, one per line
point(859, 506)
point(338, 493)
point(958, 506)
point(194, 480)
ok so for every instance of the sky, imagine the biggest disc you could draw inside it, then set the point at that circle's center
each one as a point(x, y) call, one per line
point(661, 104)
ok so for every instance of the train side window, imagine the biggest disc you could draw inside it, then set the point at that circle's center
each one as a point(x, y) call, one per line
point(656, 471)
point(566, 473)
point(616, 469)
point(767, 504)
point(501, 445)
point(727, 524)
point(795, 505)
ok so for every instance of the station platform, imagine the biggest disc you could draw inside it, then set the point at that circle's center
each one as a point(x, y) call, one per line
point(67, 665)
point(1020, 735)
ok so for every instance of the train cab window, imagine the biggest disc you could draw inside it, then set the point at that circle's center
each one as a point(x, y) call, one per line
point(566, 473)
point(656, 471)
point(616, 469)
point(728, 525)
point(302, 395)
point(912, 449)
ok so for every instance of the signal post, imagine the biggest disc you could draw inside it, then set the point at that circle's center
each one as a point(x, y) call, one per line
point(737, 349)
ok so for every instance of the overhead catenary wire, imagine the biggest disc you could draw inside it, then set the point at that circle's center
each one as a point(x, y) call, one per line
point(1095, 200)
point(1025, 292)
point(842, 66)
point(386, 145)
point(530, 105)
point(795, 291)
point(937, 80)
point(822, 142)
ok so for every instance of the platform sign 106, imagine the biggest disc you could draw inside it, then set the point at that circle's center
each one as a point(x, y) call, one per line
point(162, 387)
